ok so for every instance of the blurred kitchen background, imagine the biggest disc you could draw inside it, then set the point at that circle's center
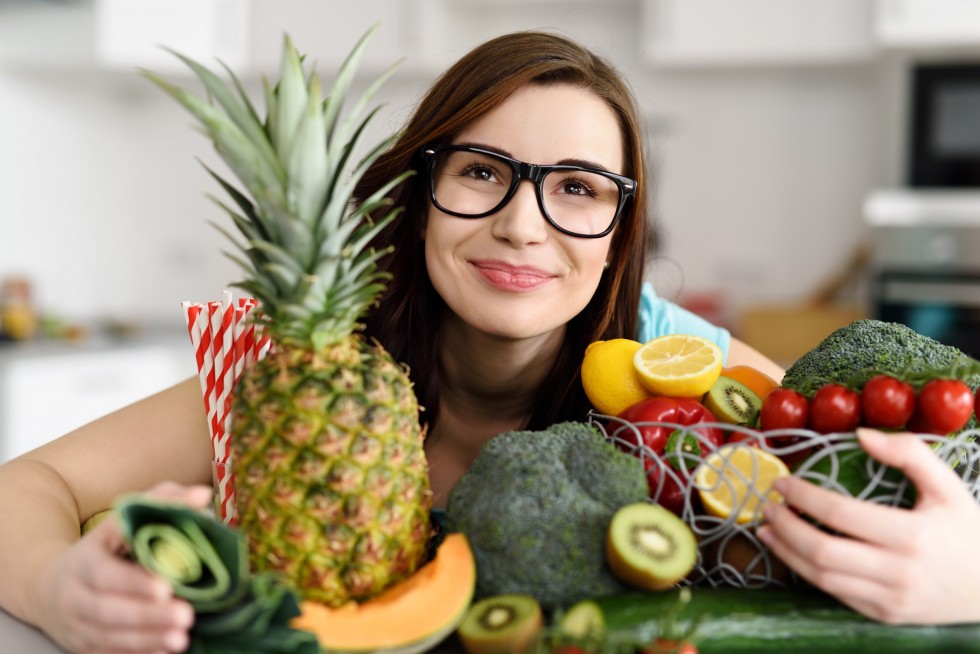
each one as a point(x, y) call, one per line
point(814, 161)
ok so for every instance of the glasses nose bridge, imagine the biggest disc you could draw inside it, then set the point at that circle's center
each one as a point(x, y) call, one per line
point(531, 172)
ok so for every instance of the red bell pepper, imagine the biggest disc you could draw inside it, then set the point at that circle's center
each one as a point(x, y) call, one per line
point(664, 478)
point(673, 410)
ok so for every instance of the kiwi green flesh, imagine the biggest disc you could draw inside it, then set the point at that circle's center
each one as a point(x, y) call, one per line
point(582, 620)
point(732, 401)
point(653, 542)
point(501, 617)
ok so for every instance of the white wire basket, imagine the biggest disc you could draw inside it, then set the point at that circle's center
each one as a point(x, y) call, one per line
point(729, 552)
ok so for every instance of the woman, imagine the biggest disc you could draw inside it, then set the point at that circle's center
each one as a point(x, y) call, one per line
point(490, 304)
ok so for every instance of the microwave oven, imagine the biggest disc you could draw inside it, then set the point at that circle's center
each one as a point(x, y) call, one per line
point(944, 125)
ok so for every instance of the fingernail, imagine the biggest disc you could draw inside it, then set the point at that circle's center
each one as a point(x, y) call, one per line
point(764, 534)
point(176, 641)
point(184, 615)
point(768, 510)
point(779, 485)
point(871, 436)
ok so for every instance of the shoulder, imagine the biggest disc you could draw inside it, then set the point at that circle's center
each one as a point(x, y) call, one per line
point(659, 317)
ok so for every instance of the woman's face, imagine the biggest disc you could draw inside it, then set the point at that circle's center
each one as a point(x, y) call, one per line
point(512, 274)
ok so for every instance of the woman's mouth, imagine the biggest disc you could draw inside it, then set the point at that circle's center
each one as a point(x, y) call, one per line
point(511, 278)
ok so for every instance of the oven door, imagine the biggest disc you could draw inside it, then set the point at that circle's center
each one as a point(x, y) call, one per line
point(944, 305)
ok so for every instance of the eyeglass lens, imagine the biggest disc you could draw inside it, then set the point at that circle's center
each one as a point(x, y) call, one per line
point(474, 183)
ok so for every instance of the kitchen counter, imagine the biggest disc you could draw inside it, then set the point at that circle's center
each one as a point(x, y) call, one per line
point(16, 636)
point(83, 380)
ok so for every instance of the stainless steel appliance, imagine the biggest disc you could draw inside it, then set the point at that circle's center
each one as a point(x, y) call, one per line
point(926, 262)
point(944, 125)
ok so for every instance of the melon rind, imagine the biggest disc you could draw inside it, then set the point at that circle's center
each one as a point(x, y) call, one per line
point(431, 603)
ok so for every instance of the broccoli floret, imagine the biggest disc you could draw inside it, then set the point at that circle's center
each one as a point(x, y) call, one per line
point(535, 507)
point(858, 351)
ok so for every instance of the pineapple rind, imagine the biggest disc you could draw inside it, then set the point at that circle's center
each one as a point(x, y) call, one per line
point(332, 480)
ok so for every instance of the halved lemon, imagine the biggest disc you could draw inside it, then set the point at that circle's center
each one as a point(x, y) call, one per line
point(678, 365)
point(737, 480)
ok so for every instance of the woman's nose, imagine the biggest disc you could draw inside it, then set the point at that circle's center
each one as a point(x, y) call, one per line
point(521, 222)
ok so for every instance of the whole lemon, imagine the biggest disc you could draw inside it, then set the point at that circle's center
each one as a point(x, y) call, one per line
point(610, 379)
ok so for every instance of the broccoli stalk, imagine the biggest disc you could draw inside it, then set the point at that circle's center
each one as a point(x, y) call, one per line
point(862, 349)
point(536, 506)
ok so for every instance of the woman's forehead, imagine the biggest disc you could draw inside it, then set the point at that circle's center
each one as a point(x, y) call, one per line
point(545, 124)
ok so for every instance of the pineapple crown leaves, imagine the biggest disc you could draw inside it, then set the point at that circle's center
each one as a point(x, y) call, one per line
point(304, 246)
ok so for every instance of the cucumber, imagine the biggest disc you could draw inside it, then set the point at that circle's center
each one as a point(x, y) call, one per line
point(739, 621)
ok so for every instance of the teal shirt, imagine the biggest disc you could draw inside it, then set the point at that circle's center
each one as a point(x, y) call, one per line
point(659, 317)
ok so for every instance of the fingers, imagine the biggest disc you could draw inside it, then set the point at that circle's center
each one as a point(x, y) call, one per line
point(863, 520)
point(120, 611)
point(93, 638)
point(932, 477)
point(821, 558)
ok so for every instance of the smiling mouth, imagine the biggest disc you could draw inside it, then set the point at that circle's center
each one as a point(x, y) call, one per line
point(511, 278)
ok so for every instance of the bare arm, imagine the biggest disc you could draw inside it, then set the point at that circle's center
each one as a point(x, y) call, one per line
point(46, 493)
point(740, 353)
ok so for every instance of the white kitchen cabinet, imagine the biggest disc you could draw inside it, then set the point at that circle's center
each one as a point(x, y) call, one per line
point(927, 24)
point(130, 33)
point(48, 391)
point(685, 33)
point(247, 35)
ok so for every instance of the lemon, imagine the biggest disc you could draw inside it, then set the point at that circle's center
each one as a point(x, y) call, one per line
point(737, 480)
point(609, 378)
point(678, 365)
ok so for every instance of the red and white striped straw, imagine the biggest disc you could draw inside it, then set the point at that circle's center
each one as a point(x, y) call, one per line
point(225, 342)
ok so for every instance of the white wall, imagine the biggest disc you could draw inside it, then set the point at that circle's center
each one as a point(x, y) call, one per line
point(760, 174)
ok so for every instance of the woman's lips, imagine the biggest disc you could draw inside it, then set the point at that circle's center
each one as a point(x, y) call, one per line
point(511, 278)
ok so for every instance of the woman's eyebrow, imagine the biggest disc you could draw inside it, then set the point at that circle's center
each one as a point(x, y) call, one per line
point(582, 163)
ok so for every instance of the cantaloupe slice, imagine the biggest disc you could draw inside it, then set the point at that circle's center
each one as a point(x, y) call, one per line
point(411, 616)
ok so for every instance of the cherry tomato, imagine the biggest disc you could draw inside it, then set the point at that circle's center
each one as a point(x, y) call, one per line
point(665, 646)
point(887, 402)
point(675, 410)
point(976, 408)
point(943, 406)
point(835, 409)
point(784, 408)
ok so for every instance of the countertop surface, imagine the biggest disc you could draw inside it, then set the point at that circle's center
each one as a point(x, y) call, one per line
point(17, 637)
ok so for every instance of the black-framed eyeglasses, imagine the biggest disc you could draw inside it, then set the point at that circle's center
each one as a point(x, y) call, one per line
point(470, 182)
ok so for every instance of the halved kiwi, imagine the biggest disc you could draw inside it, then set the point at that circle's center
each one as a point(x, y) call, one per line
point(732, 401)
point(583, 620)
point(500, 624)
point(649, 547)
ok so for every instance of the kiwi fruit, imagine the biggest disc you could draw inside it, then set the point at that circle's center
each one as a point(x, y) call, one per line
point(583, 620)
point(733, 402)
point(649, 547)
point(501, 624)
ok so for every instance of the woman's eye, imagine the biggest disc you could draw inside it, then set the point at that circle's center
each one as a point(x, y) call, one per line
point(572, 187)
point(481, 173)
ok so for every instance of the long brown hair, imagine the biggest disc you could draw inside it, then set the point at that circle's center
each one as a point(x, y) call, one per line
point(407, 319)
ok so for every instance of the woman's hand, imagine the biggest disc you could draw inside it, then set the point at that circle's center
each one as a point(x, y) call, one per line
point(898, 566)
point(91, 599)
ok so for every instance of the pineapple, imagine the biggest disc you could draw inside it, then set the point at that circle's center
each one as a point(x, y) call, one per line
point(330, 473)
